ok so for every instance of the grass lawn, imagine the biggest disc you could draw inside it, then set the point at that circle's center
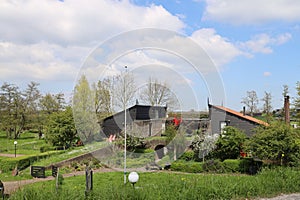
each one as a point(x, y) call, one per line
point(28, 143)
point(166, 185)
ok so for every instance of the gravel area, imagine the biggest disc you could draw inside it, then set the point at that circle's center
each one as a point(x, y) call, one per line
point(284, 197)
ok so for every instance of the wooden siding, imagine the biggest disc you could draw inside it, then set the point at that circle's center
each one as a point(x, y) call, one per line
point(150, 114)
point(218, 115)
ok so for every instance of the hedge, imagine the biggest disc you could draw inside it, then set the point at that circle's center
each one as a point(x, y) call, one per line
point(245, 165)
point(232, 165)
point(190, 167)
point(22, 162)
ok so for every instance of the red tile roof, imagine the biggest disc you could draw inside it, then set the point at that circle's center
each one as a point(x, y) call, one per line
point(249, 118)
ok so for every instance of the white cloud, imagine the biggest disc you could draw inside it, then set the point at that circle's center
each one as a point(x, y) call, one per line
point(75, 21)
point(48, 40)
point(220, 49)
point(252, 11)
point(40, 61)
point(263, 43)
point(266, 74)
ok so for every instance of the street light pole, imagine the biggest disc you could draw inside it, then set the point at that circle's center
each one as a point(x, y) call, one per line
point(15, 143)
point(125, 124)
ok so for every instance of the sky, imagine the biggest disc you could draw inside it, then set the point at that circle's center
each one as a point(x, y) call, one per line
point(216, 49)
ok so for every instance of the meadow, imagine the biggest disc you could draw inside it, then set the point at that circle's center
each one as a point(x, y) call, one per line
point(169, 185)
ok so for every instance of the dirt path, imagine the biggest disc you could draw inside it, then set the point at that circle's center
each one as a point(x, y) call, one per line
point(11, 186)
point(10, 155)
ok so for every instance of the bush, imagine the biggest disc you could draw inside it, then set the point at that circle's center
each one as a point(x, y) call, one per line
point(190, 167)
point(46, 148)
point(250, 166)
point(188, 155)
point(8, 164)
point(215, 166)
point(231, 165)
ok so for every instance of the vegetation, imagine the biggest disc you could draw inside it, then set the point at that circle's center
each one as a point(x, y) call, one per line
point(170, 186)
point(61, 129)
point(278, 143)
point(229, 144)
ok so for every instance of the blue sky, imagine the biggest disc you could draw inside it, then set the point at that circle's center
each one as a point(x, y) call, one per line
point(254, 44)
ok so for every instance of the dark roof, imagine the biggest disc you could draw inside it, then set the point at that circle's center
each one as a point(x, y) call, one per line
point(135, 106)
point(238, 114)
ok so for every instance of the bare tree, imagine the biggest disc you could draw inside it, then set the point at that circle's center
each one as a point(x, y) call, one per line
point(158, 94)
point(103, 98)
point(123, 90)
point(251, 101)
point(267, 107)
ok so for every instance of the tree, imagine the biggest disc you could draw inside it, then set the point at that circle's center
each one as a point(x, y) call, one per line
point(51, 103)
point(267, 107)
point(251, 101)
point(176, 140)
point(203, 144)
point(229, 144)
point(277, 142)
point(123, 90)
point(60, 130)
point(31, 105)
point(158, 94)
point(11, 110)
point(297, 100)
point(285, 91)
point(103, 98)
point(84, 110)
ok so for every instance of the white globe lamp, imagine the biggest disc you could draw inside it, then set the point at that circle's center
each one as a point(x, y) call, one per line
point(133, 177)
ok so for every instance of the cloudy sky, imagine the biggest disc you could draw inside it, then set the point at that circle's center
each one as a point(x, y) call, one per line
point(254, 45)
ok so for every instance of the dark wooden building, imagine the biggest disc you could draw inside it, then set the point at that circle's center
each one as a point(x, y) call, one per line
point(220, 117)
point(142, 121)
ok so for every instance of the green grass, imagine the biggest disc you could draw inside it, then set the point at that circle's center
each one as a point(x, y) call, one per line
point(165, 185)
point(28, 143)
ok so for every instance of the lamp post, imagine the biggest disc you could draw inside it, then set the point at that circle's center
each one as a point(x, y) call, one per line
point(15, 143)
point(133, 177)
point(125, 124)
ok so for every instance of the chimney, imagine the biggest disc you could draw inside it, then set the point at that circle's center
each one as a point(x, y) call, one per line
point(287, 109)
point(244, 110)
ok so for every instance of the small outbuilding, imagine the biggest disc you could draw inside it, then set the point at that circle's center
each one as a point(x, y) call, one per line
point(142, 121)
point(220, 117)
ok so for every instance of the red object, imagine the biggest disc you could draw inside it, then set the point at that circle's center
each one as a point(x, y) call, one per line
point(177, 121)
point(243, 154)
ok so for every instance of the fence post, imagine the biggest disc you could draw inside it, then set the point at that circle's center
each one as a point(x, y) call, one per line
point(88, 180)
point(2, 189)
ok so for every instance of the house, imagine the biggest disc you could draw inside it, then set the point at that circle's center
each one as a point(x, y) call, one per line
point(142, 121)
point(220, 117)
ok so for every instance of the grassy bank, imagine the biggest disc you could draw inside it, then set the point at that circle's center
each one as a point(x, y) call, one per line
point(165, 185)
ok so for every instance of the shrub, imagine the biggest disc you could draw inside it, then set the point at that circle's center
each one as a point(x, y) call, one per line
point(215, 166)
point(190, 167)
point(231, 165)
point(188, 155)
point(250, 165)
point(46, 148)
point(8, 164)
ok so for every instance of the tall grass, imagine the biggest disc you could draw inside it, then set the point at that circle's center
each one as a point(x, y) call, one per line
point(164, 185)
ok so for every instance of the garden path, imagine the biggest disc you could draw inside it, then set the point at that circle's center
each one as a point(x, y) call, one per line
point(10, 155)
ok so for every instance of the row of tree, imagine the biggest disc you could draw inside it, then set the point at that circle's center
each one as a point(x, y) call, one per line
point(251, 100)
point(26, 109)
